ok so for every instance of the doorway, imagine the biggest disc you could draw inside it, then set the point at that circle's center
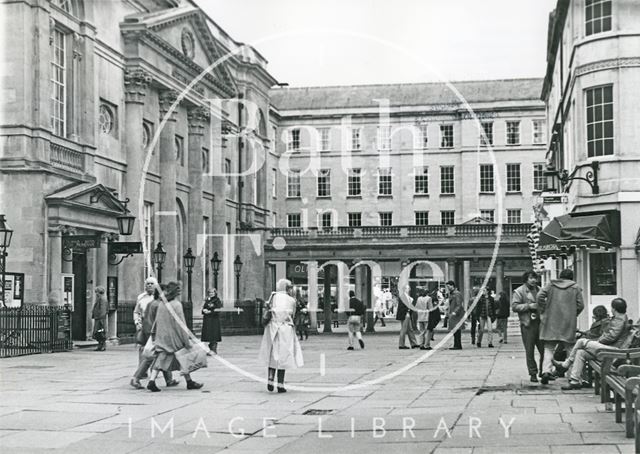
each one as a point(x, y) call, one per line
point(79, 315)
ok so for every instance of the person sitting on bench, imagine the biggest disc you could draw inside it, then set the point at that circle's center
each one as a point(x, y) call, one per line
point(613, 337)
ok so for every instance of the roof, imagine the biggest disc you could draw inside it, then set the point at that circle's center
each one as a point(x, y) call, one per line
point(416, 94)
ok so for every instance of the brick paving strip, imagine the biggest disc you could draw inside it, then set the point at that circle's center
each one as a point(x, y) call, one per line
point(453, 402)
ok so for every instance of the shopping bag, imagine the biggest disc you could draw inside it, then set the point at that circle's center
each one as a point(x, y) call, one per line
point(192, 358)
point(149, 350)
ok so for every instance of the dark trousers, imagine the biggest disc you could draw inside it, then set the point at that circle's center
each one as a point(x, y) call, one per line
point(457, 339)
point(474, 324)
point(531, 341)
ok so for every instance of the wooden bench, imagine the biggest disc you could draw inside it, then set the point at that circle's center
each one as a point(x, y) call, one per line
point(622, 382)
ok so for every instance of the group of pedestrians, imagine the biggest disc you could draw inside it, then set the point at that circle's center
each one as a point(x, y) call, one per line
point(548, 324)
point(161, 332)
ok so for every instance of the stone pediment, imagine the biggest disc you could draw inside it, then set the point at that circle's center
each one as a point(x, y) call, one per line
point(183, 32)
point(91, 196)
point(479, 220)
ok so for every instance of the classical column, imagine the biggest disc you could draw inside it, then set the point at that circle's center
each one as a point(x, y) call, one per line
point(451, 270)
point(466, 282)
point(102, 268)
point(198, 118)
point(135, 88)
point(168, 220)
point(499, 276)
point(55, 266)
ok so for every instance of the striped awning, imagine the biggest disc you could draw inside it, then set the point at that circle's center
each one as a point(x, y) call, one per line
point(579, 230)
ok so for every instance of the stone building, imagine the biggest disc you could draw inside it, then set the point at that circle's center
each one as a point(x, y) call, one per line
point(592, 96)
point(105, 101)
point(407, 172)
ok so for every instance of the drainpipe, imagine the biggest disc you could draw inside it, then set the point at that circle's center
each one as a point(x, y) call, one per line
point(240, 156)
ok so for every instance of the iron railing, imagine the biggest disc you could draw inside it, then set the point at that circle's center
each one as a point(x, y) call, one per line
point(34, 329)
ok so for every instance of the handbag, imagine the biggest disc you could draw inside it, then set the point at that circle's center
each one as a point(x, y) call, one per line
point(140, 337)
point(192, 358)
point(149, 349)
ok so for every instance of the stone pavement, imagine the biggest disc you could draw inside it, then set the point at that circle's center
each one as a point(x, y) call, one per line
point(450, 402)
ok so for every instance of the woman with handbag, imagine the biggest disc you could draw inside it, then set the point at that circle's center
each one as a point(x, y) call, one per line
point(211, 331)
point(280, 349)
point(170, 334)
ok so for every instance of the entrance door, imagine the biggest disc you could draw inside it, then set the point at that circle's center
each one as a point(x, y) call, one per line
point(79, 316)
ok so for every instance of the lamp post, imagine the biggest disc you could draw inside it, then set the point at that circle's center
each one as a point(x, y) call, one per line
point(237, 267)
point(159, 255)
point(5, 241)
point(215, 267)
point(189, 261)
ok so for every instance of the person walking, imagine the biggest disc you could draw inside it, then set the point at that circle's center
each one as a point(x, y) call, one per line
point(148, 320)
point(211, 331)
point(486, 315)
point(502, 314)
point(169, 336)
point(456, 314)
point(559, 302)
point(139, 310)
point(404, 315)
point(380, 309)
point(280, 349)
point(354, 323)
point(302, 320)
point(99, 316)
point(523, 302)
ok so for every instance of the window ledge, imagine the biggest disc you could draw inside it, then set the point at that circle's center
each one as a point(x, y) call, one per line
point(419, 194)
point(487, 192)
point(514, 192)
point(297, 197)
point(354, 197)
point(447, 195)
point(327, 197)
point(385, 196)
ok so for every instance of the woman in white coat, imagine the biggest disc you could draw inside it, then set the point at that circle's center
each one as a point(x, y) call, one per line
point(280, 349)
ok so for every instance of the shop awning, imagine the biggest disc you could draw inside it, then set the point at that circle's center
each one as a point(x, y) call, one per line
point(579, 230)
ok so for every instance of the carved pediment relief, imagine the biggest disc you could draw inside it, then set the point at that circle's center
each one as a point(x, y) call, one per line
point(184, 34)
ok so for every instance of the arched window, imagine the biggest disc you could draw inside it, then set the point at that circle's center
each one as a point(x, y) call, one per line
point(262, 124)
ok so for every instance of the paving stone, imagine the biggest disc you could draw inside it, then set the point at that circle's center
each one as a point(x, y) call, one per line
point(42, 439)
point(585, 449)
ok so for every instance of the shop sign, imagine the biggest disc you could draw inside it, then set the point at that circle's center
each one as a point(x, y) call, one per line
point(125, 247)
point(81, 242)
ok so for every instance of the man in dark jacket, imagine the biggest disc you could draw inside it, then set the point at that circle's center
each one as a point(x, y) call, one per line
point(456, 314)
point(486, 312)
point(615, 334)
point(404, 315)
point(354, 324)
point(523, 302)
point(559, 303)
point(99, 316)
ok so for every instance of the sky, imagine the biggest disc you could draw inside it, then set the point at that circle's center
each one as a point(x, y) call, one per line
point(345, 42)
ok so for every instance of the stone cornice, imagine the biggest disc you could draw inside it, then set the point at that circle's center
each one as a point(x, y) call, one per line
point(612, 63)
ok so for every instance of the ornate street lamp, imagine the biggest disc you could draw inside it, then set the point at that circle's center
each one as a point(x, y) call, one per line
point(237, 267)
point(5, 241)
point(159, 255)
point(591, 177)
point(215, 267)
point(125, 221)
point(189, 261)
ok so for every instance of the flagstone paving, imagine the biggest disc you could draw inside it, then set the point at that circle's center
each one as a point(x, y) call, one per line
point(471, 401)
